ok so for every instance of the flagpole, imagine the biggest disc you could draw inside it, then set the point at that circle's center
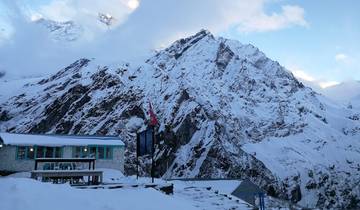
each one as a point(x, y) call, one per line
point(152, 155)
point(137, 155)
point(137, 168)
point(153, 122)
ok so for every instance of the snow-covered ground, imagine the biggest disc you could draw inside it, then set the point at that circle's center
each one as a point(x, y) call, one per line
point(210, 194)
point(23, 193)
point(18, 192)
point(223, 186)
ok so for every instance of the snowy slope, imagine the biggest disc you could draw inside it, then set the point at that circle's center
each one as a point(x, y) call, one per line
point(11, 87)
point(343, 92)
point(355, 102)
point(225, 110)
point(18, 193)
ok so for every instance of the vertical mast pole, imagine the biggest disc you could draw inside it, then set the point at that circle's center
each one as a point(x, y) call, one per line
point(152, 154)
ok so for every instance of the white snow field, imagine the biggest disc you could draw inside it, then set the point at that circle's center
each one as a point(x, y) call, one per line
point(22, 193)
point(210, 194)
point(19, 193)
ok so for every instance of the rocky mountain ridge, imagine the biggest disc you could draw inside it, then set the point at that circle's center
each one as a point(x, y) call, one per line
point(225, 110)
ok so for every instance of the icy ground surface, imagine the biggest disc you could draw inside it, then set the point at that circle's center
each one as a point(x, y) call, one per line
point(19, 192)
point(223, 186)
point(210, 194)
point(201, 194)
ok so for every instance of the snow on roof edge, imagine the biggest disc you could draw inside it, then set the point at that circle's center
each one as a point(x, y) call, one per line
point(59, 140)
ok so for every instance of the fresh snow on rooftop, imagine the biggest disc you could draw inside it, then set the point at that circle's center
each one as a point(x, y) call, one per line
point(59, 140)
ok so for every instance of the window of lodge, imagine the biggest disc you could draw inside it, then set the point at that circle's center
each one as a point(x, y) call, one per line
point(98, 152)
point(40, 152)
point(30, 152)
point(21, 153)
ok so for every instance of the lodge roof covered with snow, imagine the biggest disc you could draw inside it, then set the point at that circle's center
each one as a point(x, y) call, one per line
point(58, 140)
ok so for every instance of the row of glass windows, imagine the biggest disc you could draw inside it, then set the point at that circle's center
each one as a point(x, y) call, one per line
point(29, 152)
point(98, 152)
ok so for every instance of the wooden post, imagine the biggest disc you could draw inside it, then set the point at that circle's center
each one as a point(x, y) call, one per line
point(36, 163)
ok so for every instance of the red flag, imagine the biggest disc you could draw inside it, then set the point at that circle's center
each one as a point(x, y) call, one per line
point(153, 119)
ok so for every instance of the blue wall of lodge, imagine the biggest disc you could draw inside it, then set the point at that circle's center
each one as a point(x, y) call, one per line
point(97, 151)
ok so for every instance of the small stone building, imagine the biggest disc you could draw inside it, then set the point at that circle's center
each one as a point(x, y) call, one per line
point(18, 151)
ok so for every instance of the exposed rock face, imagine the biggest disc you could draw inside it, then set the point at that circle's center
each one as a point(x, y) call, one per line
point(62, 31)
point(106, 19)
point(225, 110)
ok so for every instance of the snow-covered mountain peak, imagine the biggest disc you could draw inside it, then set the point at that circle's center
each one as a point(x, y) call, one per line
point(180, 46)
point(225, 110)
point(204, 57)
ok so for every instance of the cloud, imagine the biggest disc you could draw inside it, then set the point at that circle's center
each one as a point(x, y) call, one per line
point(303, 75)
point(291, 15)
point(327, 84)
point(140, 27)
point(158, 23)
point(341, 58)
point(311, 81)
point(85, 12)
point(30, 51)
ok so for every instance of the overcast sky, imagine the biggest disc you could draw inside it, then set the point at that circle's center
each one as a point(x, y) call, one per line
point(318, 40)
